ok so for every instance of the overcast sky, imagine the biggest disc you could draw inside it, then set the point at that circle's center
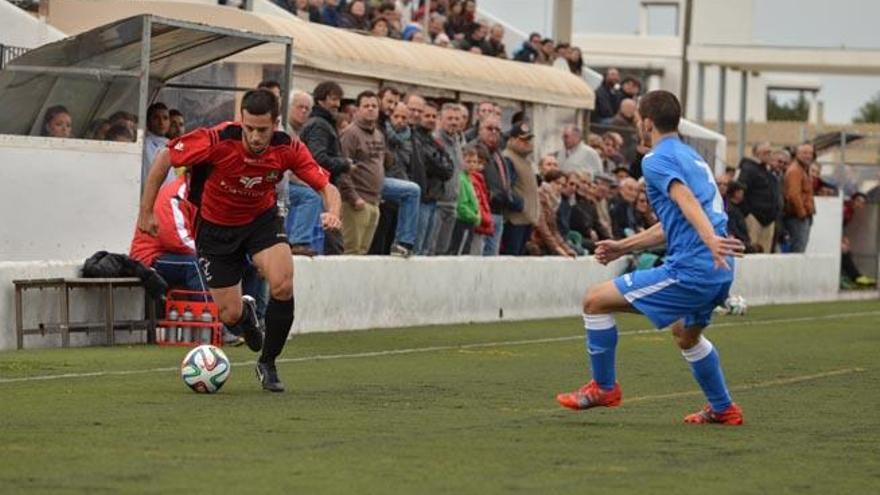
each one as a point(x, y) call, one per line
point(820, 23)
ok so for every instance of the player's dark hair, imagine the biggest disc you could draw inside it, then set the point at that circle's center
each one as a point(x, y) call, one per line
point(121, 115)
point(735, 186)
point(50, 114)
point(475, 149)
point(388, 89)
point(268, 84)
point(326, 89)
point(118, 130)
point(260, 102)
point(155, 107)
point(365, 94)
point(663, 108)
point(553, 175)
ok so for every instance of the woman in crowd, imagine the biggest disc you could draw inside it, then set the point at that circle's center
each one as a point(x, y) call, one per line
point(56, 122)
point(356, 17)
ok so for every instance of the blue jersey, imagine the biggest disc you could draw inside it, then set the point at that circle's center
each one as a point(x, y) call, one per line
point(687, 257)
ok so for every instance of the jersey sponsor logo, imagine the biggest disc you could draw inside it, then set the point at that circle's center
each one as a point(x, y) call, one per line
point(178, 146)
point(251, 193)
point(250, 182)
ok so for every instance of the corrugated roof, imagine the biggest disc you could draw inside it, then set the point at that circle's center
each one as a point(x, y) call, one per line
point(335, 50)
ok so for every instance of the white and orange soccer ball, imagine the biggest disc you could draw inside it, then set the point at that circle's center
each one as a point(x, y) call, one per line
point(205, 369)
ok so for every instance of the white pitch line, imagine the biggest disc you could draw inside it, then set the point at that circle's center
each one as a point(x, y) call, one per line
point(740, 388)
point(751, 386)
point(419, 350)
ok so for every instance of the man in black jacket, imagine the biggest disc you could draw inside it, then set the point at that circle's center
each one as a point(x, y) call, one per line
point(761, 204)
point(319, 135)
point(606, 97)
point(499, 179)
point(430, 168)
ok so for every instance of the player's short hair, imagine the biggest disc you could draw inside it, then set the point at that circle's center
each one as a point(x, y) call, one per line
point(365, 94)
point(327, 89)
point(477, 149)
point(155, 107)
point(450, 107)
point(118, 130)
point(260, 102)
point(388, 89)
point(663, 108)
point(268, 84)
point(553, 175)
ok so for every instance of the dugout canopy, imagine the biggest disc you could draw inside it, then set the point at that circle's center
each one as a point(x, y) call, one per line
point(116, 66)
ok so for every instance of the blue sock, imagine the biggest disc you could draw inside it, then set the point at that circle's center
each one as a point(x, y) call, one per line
point(706, 367)
point(601, 347)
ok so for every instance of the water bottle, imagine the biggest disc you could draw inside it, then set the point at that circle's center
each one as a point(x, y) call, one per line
point(187, 332)
point(171, 332)
point(207, 318)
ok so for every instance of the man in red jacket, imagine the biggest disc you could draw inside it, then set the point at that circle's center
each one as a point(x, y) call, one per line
point(235, 167)
point(172, 251)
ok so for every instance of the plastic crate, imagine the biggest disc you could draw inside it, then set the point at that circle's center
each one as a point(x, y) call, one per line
point(189, 333)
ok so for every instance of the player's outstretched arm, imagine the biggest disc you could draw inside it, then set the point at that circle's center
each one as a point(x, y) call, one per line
point(332, 206)
point(720, 247)
point(609, 250)
point(146, 221)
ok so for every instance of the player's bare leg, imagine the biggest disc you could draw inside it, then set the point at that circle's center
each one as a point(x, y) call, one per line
point(276, 267)
point(703, 359)
point(239, 314)
point(599, 303)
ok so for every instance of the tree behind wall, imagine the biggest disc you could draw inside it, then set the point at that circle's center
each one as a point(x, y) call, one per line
point(797, 110)
point(869, 113)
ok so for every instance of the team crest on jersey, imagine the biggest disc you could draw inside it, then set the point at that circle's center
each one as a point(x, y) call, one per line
point(272, 176)
point(250, 182)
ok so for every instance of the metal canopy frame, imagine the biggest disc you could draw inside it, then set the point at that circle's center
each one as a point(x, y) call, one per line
point(143, 73)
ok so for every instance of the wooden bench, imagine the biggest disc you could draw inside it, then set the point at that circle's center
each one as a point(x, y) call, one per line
point(65, 327)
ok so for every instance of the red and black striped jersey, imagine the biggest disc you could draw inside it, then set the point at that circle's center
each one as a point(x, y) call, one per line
point(238, 185)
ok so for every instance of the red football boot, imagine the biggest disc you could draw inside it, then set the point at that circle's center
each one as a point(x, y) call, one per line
point(733, 416)
point(590, 395)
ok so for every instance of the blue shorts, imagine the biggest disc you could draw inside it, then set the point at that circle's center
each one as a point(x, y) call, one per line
point(664, 299)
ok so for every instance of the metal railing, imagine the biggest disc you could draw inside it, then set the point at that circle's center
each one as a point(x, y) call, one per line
point(8, 53)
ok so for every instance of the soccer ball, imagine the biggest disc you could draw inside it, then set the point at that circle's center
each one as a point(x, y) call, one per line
point(205, 369)
point(736, 305)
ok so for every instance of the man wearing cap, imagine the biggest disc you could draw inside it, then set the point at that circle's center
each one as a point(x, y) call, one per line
point(576, 156)
point(518, 224)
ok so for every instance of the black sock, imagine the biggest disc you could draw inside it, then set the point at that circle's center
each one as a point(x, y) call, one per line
point(279, 319)
point(247, 321)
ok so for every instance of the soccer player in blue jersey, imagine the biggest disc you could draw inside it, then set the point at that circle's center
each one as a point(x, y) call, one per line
point(684, 291)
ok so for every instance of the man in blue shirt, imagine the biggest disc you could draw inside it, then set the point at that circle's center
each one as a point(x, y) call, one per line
point(695, 278)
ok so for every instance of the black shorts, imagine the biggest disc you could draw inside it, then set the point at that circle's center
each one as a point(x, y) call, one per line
point(223, 250)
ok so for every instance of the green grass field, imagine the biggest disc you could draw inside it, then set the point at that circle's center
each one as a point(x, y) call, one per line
point(457, 409)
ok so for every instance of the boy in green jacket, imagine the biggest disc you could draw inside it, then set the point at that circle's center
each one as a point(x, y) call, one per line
point(468, 208)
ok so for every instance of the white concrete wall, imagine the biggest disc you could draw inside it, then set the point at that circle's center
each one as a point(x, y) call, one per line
point(43, 306)
point(66, 198)
point(344, 293)
point(827, 227)
point(789, 278)
point(347, 293)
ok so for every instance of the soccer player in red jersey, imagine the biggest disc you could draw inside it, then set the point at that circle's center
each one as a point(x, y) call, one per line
point(235, 167)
